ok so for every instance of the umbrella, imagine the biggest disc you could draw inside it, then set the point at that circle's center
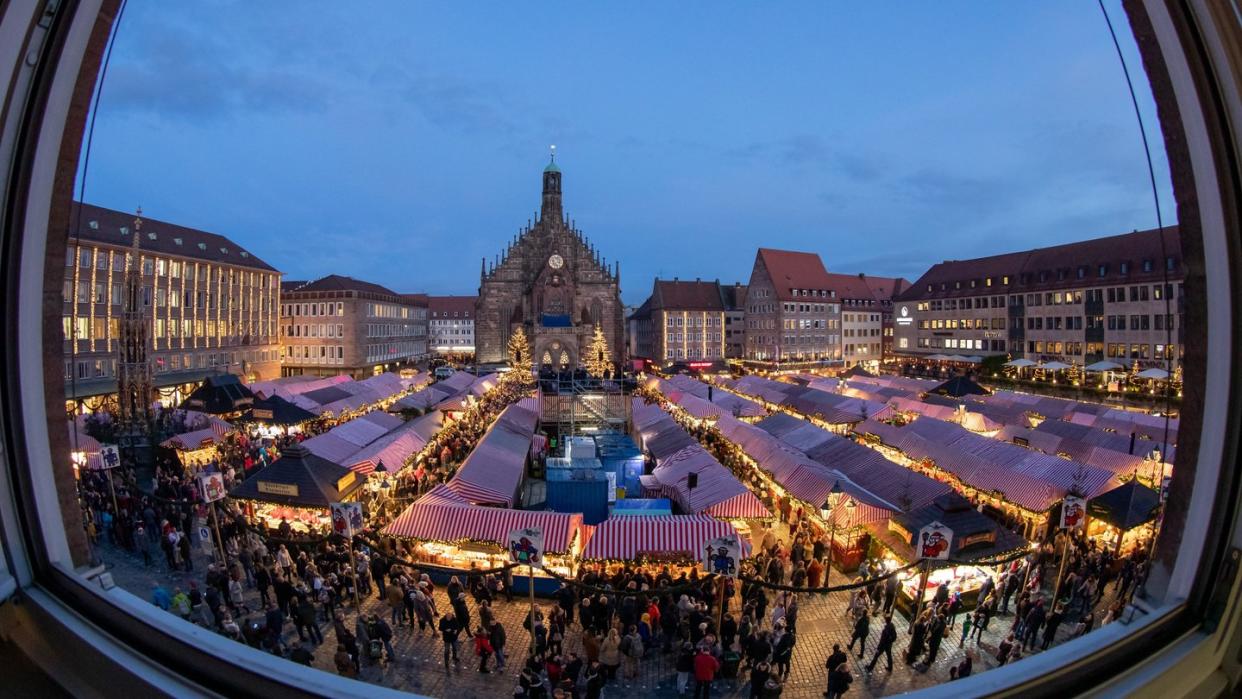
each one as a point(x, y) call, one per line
point(1126, 506)
point(937, 357)
point(1055, 366)
point(960, 386)
point(1020, 363)
point(1103, 366)
point(1153, 374)
point(958, 358)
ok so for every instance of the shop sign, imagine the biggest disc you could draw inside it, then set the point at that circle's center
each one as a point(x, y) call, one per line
point(904, 317)
point(722, 554)
point(664, 556)
point(935, 541)
point(346, 518)
point(346, 480)
point(109, 456)
point(1073, 512)
point(204, 536)
point(525, 546)
point(211, 485)
point(261, 414)
point(270, 488)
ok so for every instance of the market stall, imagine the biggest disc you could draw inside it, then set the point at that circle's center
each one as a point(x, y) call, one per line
point(220, 394)
point(194, 449)
point(676, 539)
point(275, 416)
point(976, 537)
point(443, 531)
point(1123, 516)
point(296, 490)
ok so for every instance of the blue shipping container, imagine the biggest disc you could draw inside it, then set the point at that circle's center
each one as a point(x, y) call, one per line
point(584, 491)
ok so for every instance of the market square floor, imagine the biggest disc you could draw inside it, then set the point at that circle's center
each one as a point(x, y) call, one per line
point(419, 667)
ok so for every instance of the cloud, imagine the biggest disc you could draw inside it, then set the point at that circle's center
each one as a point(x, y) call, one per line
point(184, 75)
point(808, 150)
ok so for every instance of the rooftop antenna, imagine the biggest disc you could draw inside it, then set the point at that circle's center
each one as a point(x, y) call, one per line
point(553, 148)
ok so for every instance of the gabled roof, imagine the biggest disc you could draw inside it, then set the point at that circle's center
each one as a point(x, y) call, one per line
point(689, 296)
point(100, 225)
point(850, 286)
point(1059, 266)
point(301, 479)
point(338, 282)
point(643, 312)
point(451, 306)
point(219, 394)
point(886, 288)
point(422, 300)
point(734, 297)
point(789, 269)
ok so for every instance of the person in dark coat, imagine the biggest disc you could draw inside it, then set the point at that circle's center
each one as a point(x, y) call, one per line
point(1051, 625)
point(758, 678)
point(888, 635)
point(935, 634)
point(839, 682)
point(1034, 622)
point(862, 628)
point(918, 634)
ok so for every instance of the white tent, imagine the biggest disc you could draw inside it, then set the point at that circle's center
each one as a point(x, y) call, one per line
point(937, 357)
point(1055, 366)
point(1103, 366)
point(1020, 363)
point(1153, 374)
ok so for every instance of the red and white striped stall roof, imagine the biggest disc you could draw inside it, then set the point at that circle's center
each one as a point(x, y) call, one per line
point(442, 515)
point(629, 538)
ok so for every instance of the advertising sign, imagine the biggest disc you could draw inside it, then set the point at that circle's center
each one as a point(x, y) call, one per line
point(721, 555)
point(211, 485)
point(526, 547)
point(346, 518)
point(1073, 512)
point(935, 541)
point(109, 456)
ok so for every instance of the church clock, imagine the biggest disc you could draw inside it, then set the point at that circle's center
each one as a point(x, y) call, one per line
point(556, 261)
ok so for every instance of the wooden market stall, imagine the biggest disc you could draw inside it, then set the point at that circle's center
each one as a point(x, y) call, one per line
point(444, 533)
point(296, 490)
point(976, 537)
point(1123, 516)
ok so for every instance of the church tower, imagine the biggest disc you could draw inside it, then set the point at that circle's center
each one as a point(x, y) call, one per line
point(135, 389)
point(554, 284)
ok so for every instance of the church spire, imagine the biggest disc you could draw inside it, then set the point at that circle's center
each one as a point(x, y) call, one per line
point(551, 208)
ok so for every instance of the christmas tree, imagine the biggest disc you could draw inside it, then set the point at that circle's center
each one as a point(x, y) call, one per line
point(597, 361)
point(519, 356)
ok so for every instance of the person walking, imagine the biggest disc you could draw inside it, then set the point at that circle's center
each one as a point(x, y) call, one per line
point(888, 635)
point(450, 632)
point(705, 668)
point(482, 648)
point(384, 632)
point(918, 634)
point(862, 627)
point(498, 639)
point(610, 654)
point(935, 634)
point(685, 666)
point(966, 622)
point(839, 681)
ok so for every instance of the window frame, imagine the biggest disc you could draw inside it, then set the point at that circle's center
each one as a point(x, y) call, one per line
point(36, 546)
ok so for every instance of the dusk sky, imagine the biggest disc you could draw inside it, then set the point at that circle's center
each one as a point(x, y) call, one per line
point(400, 143)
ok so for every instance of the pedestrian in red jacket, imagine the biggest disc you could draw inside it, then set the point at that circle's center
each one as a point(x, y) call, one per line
point(705, 667)
point(482, 648)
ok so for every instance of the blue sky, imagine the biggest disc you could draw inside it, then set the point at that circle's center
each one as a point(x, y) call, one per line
point(402, 142)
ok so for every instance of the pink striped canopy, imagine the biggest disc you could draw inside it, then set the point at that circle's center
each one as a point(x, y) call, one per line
point(442, 515)
point(630, 538)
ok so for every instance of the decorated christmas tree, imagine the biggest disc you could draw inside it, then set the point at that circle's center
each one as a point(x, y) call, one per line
point(519, 356)
point(597, 356)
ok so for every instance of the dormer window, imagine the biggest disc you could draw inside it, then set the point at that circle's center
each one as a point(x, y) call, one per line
point(1005, 280)
point(176, 241)
point(245, 254)
point(224, 251)
point(1170, 263)
point(1082, 272)
point(1103, 270)
point(1148, 265)
point(124, 230)
point(151, 235)
point(94, 225)
point(1125, 268)
point(202, 246)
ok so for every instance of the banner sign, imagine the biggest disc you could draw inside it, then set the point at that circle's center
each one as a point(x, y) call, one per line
point(109, 456)
point(1073, 512)
point(211, 485)
point(526, 547)
point(346, 518)
point(935, 541)
point(722, 554)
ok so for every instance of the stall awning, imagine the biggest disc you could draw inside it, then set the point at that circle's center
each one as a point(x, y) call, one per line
point(1125, 507)
point(493, 471)
point(443, 515)
point(959, 386)
point(222, 393)
point(301, 479)
point(630, 538)
point(277, 411)
point(191, 440)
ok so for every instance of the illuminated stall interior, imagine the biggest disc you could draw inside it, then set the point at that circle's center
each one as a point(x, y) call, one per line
point(297, 488)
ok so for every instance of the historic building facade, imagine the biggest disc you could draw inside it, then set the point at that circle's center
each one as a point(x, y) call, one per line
point(210, 306)
point(1117, 298)
point(551, 281)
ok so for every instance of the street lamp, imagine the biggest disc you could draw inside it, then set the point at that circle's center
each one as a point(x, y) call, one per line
point(825, 511)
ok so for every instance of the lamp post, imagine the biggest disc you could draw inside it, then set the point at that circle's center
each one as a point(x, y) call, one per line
point(825, 512)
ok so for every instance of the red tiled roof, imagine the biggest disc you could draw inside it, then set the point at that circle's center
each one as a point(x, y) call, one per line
point(451, 306)
point(734, 297)
point(789, 269)
point(100, 225)
point(849, 286)
point(679, 295)
point(417, 299)
point(1059, 266)
point(337, 282)
point(886, 288)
